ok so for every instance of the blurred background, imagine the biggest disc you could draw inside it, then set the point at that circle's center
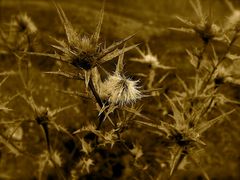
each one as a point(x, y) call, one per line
point(149, 20)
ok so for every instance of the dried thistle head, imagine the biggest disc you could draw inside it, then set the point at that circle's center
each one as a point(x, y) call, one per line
point(204, 27)
point(149, 58)
point(118, 89)
point(188, 126)
point(23, 23)
point(185, 131)
point(18, 35)
point(84, 51)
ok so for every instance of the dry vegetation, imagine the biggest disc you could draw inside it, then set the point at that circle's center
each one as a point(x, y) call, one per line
point(77, 105)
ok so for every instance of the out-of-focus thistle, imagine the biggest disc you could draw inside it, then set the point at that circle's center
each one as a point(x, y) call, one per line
point(152, 61)
point(20, 34)
point(204, 27)
point(45, 117)
point(23, 23)
point(84, 51)
point(149, 58)
point(233, 21)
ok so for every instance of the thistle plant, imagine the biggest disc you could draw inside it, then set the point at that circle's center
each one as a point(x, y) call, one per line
point(19, 35)
point(186, 131)
point(85, 53)
point(193, 106)
point(45, 117)
point(116, 91)
point(204, 27)
point(82, 51)
point(119, 126)
point(209, 74)
point(152, 60)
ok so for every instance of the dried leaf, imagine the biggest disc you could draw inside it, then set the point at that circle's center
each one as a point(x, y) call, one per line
point(206, 125)
point(177, 159)
point(66, 75)
point(72, 35)
point(177, 114)
point(95, 36)
point(115, 53)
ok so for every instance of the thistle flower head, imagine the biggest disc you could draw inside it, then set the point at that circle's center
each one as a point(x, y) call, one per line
point(19, 35)
point(204, 27)
point(149, 58)
point(81, 51)
point(118, 89)
point(23, 23)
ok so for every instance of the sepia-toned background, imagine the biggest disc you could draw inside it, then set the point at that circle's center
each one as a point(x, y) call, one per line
point(150, 20)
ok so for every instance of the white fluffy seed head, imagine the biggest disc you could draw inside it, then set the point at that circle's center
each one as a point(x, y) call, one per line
point(119, 90)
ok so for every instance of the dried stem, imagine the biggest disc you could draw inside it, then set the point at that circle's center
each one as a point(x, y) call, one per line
point(179, 156)
point(99, 101)
point(235, 36)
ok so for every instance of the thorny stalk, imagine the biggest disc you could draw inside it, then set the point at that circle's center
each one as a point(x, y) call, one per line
point(180, 155)
point(234, 38)
point(201, 54)
point(99, 102)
